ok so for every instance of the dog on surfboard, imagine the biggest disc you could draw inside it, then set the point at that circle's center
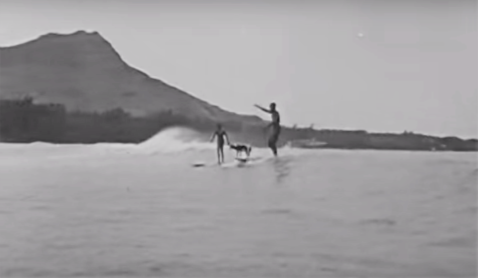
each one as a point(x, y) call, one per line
point(241, 148)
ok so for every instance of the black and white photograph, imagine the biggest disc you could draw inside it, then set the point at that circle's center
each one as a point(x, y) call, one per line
point(238, 139)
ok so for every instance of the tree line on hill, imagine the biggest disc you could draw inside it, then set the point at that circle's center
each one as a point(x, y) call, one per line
point(24, 121)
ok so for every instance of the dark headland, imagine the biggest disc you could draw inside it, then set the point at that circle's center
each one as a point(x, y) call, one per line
point(76, 88)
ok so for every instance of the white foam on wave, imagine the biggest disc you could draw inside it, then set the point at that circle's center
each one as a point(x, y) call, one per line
point(176, 139)
point(168, 141)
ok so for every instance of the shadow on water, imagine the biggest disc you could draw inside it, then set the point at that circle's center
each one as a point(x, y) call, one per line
point(282, 167)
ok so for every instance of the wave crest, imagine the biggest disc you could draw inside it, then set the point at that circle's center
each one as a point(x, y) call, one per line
point(177, 139)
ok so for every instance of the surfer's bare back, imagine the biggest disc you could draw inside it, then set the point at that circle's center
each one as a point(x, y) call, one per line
point(275, 125)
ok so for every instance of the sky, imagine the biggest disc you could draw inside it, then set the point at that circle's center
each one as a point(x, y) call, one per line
point(386, 66)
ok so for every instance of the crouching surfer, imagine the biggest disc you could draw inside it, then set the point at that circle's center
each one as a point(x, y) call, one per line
point(222, 137)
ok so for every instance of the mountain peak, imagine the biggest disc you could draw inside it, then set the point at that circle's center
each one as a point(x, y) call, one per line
point(80, 48)
point(51, 39)
point(78, 34)
point(83, 71)
point(77, 38)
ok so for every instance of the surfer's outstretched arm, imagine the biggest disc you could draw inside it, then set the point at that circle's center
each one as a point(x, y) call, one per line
point(227, 138)
point(213, 136)
point(263, 109)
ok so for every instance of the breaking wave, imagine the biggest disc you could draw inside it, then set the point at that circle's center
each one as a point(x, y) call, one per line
point(177, 139)
point(170, 140)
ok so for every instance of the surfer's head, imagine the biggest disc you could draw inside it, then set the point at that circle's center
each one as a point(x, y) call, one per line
point(219, 126)
point(272, 106)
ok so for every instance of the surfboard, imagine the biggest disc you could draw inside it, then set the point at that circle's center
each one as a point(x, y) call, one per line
point(238, 161)
point(203, 164)
point(207, 165)
point(242, 160)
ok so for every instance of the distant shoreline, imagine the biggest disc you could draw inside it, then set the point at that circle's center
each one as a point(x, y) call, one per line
point(23, 121)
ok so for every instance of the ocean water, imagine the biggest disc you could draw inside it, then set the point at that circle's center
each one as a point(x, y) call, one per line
point(111, 210)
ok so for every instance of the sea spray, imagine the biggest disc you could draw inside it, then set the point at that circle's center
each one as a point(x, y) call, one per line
point(176, 139)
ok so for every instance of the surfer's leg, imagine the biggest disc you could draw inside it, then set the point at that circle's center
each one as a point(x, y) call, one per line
point(221, 152)
point(274, 149)
point(273, 140)
point(272, 146)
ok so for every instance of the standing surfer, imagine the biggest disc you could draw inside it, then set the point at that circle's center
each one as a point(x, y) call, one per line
point(220, 134)
point(274, 125)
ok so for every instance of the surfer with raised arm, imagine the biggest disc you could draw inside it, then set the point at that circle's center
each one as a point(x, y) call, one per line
point(220, 134)
point(274, 125)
